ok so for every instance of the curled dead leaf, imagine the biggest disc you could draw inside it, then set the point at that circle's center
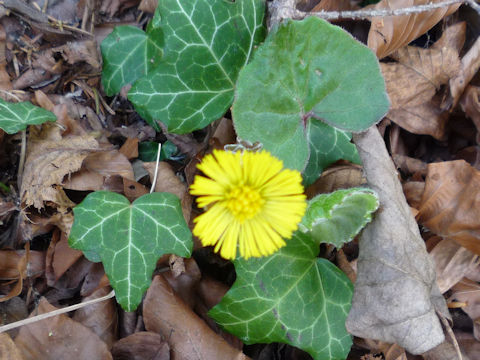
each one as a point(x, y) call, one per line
point(189, 337)
point(450, 205)
point(391, 33)
point(141, 345)
point(59, 337)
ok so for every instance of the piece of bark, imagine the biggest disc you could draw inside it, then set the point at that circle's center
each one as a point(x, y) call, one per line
point(395, 295)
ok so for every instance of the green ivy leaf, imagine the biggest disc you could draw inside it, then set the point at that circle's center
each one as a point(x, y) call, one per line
point(291, 297)
point(327, 145)
point(147, 151)
point(129, 238)
point(17, 116)
point(128, 54)
point(207, 42)
point(338, 217)
point(307, 69)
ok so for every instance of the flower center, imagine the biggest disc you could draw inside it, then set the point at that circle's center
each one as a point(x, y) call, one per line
point(244, 202)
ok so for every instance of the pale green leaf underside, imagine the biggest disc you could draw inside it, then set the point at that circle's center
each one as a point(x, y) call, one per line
point(128, 54)
point(307, 69)
point(327, 145)
point(291, 297)
point(338, 217)
point(129, 238)
point(207, 42)
point(17, 116)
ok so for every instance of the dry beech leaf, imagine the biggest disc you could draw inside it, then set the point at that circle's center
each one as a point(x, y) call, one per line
point(424, 119)
point(337, 177)
point(59, 338)
point(469, 345)
point(391, 33)
point(80, 51)
point(409, 165)
point(224, 134)
point(413, 191)
point(50, 158)
point(148, 6)
point(469, 67)
point(60, 257)
point(418, 74)
point(189, 337)
point(395, 297)
point(468, 292)
point(8, 350)
point(140, 346)
point(167, 181)
point(453, 37)
point(9, 260)
point(185, 283)
point(450, 205)
point(470, 103)
point(452, 262)
point(130, 148)
point(100, 317)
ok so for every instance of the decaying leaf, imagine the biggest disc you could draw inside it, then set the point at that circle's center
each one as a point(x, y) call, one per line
point(391, 33)
point(468, 292)
point(188, 336)
point(59, 337)
point(167, 181)
point(100, 317)
point(50, 157)
point(395, 295)
point(8, 350)
point(450, 205)
point(452, 262)
point(141, 345)
point(470, 103)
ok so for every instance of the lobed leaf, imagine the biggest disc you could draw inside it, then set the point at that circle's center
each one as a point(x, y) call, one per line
point(17, 116)
point(338, 217)
point(128, 54)
point(307, 69)
point(129, 238)
point(207, 42)
point(327, 145)
point(291, 297)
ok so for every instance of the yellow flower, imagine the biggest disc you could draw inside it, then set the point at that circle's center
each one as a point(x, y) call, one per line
point(251, 201)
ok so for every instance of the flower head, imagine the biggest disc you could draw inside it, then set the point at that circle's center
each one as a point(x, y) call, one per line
point(251, 201)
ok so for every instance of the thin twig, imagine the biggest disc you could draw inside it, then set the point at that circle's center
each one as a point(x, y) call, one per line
point(370, 13)
point(54, 313)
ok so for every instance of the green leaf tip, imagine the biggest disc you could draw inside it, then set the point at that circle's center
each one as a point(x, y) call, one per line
point(129, 238)
point(17, 116)
point(307, 71)
point(338, 217)
point(291, 297)
point(207, 42)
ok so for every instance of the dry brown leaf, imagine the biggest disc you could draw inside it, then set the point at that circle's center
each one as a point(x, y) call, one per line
point(413, 191)
point(148, 6)
point(470, 103)
point(185, 283)
point(224, 134)
point(59, 338)
point(60, 257)
point(189, 337)
point(8, 350)
point(78, 51)
point(50, 158)
point(450, 203)
point(469, 345)
point(167, 181)
point(452, 262)
point(395, 297)
point(418, 74)
point(9, 260)
point(100, 317)
point(409, 165)
point(337, 177)
point(388, 34)
point(424, 119)
point(468, 292)
point(140, 346)
point(470, 66)
point(130, 148)
point(453, 37)
point(133, 190)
